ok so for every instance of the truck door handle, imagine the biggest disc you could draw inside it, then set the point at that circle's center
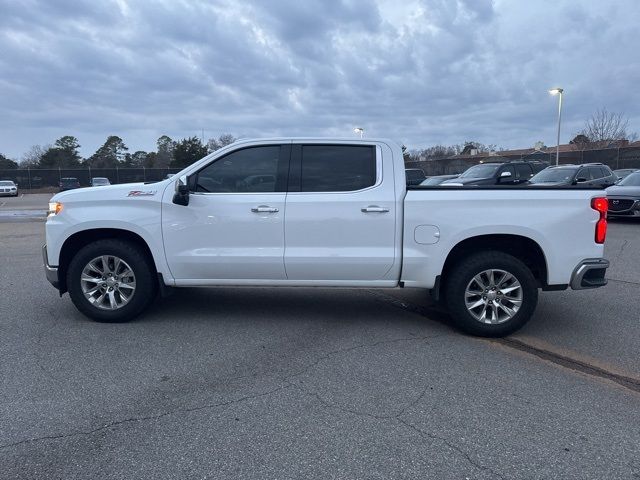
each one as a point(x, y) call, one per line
point(374, 208)
point(264, 209)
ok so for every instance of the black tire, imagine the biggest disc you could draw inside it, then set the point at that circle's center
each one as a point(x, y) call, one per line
point(146, 282)
point(463, 272)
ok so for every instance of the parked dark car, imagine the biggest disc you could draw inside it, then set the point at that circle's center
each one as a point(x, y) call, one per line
point(414, 176)
point(69, 183)
point(623, 172)
point(508, 173)
point(438, 179)
point(589, 174)
point(624, 198)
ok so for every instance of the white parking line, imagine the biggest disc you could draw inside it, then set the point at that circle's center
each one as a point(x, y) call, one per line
point(3, 204)
point(22, 195)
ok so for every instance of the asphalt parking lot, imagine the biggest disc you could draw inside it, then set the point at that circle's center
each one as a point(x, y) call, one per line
point(314, 383)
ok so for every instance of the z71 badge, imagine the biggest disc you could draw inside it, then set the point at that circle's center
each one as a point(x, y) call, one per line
point(141, 193)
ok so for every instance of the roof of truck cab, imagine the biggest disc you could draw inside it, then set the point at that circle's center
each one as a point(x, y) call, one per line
point(317, 139)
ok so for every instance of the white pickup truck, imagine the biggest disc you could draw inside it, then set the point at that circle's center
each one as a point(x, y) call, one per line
point(330, 213)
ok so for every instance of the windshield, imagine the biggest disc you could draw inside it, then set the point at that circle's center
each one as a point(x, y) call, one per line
point(632, 180)
point(553, 175)
point(480, 171)
point(100, 181)
point(6, 183)
point(433, 181)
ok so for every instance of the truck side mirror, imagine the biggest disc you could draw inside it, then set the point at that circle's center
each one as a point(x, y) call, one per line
point(505, 174)
point(181, 197)
point(581, 180)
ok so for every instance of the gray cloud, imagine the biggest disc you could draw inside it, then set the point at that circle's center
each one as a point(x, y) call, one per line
point(421, 72)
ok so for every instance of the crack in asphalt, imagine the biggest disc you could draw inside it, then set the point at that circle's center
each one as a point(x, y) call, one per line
point(621, 251)
point(327, 404)
point(285, 379)
point(396, 418)
point(328, 355)
point(144, 418)
point(628, 282)
point(454, 447)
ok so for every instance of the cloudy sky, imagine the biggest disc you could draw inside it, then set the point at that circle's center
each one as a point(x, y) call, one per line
point(422, 72)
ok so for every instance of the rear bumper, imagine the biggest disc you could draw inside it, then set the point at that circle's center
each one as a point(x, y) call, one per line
point(50, 272)
point(590, 273)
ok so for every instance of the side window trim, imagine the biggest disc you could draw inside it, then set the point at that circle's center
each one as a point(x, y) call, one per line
point(284, 159)
point(295, 171)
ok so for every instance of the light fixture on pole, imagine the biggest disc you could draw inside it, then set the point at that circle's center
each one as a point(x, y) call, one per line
point(360, 131)
point(558, 91)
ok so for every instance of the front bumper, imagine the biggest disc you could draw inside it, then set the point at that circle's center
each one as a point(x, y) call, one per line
point(632, 209)
point(589, 273)
point(50, 272)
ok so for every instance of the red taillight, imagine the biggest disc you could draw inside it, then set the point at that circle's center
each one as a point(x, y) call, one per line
point(601, 205)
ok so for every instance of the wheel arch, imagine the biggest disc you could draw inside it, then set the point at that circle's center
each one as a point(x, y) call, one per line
point(84, 237)
point(524, 248)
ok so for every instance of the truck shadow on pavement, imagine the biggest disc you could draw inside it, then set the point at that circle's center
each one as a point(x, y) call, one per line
point(291, 306)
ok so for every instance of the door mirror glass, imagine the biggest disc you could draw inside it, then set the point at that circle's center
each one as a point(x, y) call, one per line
point(505, 174)
point(181, 195)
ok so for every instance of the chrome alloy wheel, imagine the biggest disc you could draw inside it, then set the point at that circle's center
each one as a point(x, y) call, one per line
point(108, 282)
point(493, 296)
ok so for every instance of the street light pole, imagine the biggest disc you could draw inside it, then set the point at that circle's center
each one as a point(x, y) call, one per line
point(558, 91)
point(360, 131)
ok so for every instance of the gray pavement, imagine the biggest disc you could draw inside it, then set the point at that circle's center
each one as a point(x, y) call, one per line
point(24, 207)
point(308, 383)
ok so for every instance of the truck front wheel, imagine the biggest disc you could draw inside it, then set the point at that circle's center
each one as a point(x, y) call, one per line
point(111, 280)
point(490, 294)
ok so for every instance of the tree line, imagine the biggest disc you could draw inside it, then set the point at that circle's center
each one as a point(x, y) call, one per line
point(169, 153)
point(603, 129)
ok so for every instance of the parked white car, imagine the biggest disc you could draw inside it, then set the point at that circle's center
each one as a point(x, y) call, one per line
point(8, 188)
point(99, 182)
point(330, 213)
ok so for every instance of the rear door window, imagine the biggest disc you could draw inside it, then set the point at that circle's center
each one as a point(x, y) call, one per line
point(583, 174)
point(523, 171)
point(337, 168)
point(596, 173)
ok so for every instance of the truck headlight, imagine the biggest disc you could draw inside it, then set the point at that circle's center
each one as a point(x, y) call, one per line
point(54, 209)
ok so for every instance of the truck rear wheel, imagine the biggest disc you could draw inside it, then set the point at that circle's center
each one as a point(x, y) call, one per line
point(111, 280)
point(491, 294)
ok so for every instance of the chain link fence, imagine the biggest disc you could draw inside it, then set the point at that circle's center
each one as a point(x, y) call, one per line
point(44, 180)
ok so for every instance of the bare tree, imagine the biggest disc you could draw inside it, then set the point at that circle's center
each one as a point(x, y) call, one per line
point(222, 141)
point(605, 129)
point(32, 158)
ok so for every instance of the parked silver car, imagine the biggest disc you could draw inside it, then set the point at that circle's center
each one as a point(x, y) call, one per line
point(624, 198)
